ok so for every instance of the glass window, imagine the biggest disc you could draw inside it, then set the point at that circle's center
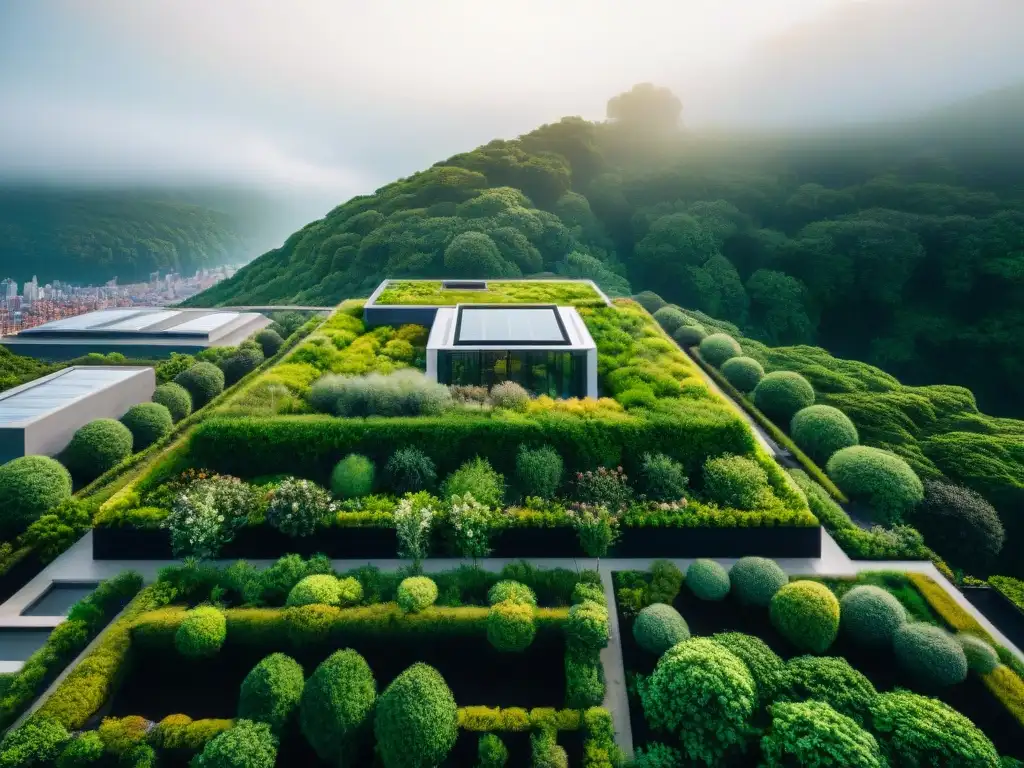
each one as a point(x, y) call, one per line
point(542, 372)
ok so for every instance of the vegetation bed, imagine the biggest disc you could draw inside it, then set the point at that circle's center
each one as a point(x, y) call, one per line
point(432, 293)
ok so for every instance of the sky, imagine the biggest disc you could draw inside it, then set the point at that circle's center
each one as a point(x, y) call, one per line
point(329, 98)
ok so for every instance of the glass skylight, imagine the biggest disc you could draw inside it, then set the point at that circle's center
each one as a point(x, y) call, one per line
point(509, 325)
point(145, 320)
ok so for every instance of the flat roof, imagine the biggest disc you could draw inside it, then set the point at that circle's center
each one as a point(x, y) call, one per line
point(150, 323)
point(48, 394)
point(509, 326)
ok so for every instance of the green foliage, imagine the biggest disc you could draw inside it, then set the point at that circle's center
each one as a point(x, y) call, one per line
point(244, 361)
point(352, 477)
point(584, 679)
point(707, 579)
point(491, 751)
point(744, 373)
point(736, 481)
point(960, 525)
point(100, 445)
point(416, 722)
point(416, 593)
point(510, 395)
point(670, 318)
point(657, 755)
point(298, 507)
point(719, 347)
point(401, 393)
point(930, 653)
point(665, 583)
point(270, 341)
point(881, 479)
point(832, 680)
point(36, 743)
point(917, 730)
point(201, 633)
point(781, 394)
point(821, 430)
point(511, 626)
point(687, 336)
point(814, 735)
point(871, 615)
point(121, 735)
point(29, 487)
point(663, 478)
point(409, 470)
point(477, 478)
point(545, 750)
point(658, 627)
point(204, 381)
point(148, 422)
point(807, 614)
point(765, 666)
point(755, 580)
point(175, 398)
point(172, 366)
point(586, 628)
point(318, 589)
point(83, 750)
point(650, 301)
point(271, 691)
point(538, 471)
point(981, 657)
point(515, 592)
point(336, 704)
point(702, 694)
point(245, 745)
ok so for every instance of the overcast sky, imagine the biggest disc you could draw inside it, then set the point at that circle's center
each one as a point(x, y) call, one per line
point(340, 97)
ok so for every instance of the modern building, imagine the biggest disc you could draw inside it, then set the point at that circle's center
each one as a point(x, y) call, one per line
point(136, 332)
point(40, 418)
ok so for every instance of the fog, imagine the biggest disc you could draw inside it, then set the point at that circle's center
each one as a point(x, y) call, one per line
point(319, 100)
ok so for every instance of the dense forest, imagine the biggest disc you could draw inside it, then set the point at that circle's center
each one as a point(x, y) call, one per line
point(91, 236)
point(901, 245)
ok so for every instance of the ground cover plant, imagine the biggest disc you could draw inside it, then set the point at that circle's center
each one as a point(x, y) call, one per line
point(498, 292)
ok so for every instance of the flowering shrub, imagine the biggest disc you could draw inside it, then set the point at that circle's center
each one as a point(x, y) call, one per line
point(471, 524)
point(596, 527)
point(413, 520)
point(207, 514)
point(296, 507)
point(607, 487)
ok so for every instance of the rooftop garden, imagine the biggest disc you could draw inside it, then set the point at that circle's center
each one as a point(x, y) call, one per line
point(433, 292)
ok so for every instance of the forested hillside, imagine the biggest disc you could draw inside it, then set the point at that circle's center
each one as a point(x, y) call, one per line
point(900, 245)
point(91, 236)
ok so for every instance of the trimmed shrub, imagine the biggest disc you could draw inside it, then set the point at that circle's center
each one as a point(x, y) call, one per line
point(148, 422)
point(704, 695)
point(201, 633)
point(538, 471)
point(491, 751)
point(98, 446)
point(318, 589)
point(687, 336)
point(586, 629)
point(582, 591)
point(409, 470)
point(766, 667)
point(650, 301)
point(478, 479)
point(271, 691)
point(352, 477)
point(416, 593)
point(37, 742)
point(917, 730)
point(930, 653)
point(755, 580)
point(510, 395)
point(881, 479)
point(510, 626)
point(707, 579)
point(405, 392)
point(270, 341)
point(830, 679)
point(514, 591)
point(545, 751)
point(807, 614)
point(871, 615)
point(120, 735)
point(736, 481)
point(29, 487)
point(670, 318)
point(981, 657)
point(744, 373)
point(666, 581)
point(240, 364)
point(336, 703)
point(84, 749)
point(244, 745)
point(780, 394)
point(658, 627)
point(664, 479)
point(417, 721)
point(821, 430)
point(719, 347)
point(584, 680)
point(175, 398)
point(204, 381)
point(960, 525)
point(811, 733)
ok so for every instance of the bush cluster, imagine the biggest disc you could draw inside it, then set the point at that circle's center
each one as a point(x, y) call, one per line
point(175, 398)
point(670, 318)
point(325, 589)
point(402, 393)
point(245, 745)
point(821, 430)
point(811, 733)
point(663, 478)
point(780, 394)
point(881, 479)
point(707, 579)
point(352, 477)
point(930, 653)
point(271, 691)
point(516, 592)
point(409, 470)
point(29, 487)
point(416, 593)
point(871, 615)
point(243, 362)
point(744, 373)
point(204, 381)
point(98, 446)
point(298, 507)
point(477, 478)
point(336, 704)
point(416, 722)
point(736, 481)
point(491, 751)
point(148, 422)
point(509, 395)
point(755, 580)
point(807, 614)
point(538, 471)
point(719, 347)
point(765, 666)
point(201, 633)
point(658, 627)
point(832, 680)
point(270, 341)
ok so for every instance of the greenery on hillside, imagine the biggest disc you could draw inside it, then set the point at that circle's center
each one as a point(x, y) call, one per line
point(16, 369)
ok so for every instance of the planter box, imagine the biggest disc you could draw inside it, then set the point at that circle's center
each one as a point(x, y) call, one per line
point(998, 609)
point(267, 543)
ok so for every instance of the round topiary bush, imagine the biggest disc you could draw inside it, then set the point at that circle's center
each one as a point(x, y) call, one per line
point(702, 694)
point(930, 653)
point(318, 589)
point(204, 381)
point(780, 394)
point(244, 745)
point(687, 336)
point(766, 667)
point(271, 691)
point(37, 742)
point(538, 471)
point(148, 422)
point(409, 470)
point(960, 525)
point(510, 626)
point(336, 703)
point(658, 627)
point(707, 579)
point(881, 479)
point(736, 481)
point(670, 318)
point(175, 398)
point(29, 487)
point(98, 446)
point(981, 657)
point(511, 590)
point(917, 730)
point(830, 679)
point(545, 751)
point(755, 580)
point(871, 615)
point(201, 633)
point(416, 593)
point(586, 629)
point(270, 341)
point(821, 430)
point(664, 479)
point(719, 347)
point(352, 477)
point(650, 301)
point(239, 365)
point(807, 614)
point(417, 721)
point(744, 373)
point(811, 733)
point(491, 751)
